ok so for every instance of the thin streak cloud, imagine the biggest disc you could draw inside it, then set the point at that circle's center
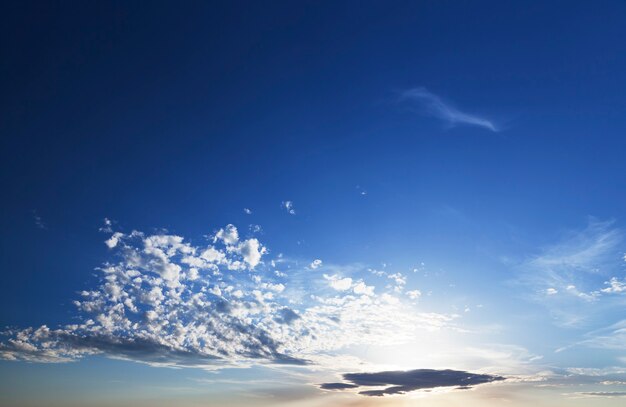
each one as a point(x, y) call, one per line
point(434, 106)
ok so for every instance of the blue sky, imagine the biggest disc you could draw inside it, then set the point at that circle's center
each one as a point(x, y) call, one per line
point(239, 202)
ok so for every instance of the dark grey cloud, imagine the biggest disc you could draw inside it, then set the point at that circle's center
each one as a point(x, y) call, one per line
point(62, 345)
point(337, 386)
point(400, 382)
point(286, 316)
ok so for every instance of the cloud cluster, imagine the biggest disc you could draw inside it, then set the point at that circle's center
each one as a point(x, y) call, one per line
point(164, 301)
point(400, 382)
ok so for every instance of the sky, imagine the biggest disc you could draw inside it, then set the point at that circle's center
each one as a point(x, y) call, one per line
point(374, 203)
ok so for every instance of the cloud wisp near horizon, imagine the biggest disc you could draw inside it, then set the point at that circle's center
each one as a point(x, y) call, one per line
point(433, 105)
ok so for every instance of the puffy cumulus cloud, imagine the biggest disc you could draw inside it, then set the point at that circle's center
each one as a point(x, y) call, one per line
point(113, 240)
point(317, 263)
point(399, 280)
point(166, 302)
point(361, 288)
point(338, 283)
point(400, 382)
point(229, 235)
point(251, 251)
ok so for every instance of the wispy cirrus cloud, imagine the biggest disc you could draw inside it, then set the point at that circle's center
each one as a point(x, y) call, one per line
point(606, 394)
point(576, 268)
point(434, 106)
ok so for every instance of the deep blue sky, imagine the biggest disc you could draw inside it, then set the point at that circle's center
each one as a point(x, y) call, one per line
point(178, 116)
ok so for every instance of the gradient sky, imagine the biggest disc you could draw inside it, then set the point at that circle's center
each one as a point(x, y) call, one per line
point(234, 203)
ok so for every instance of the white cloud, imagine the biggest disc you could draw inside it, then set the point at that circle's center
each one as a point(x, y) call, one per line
point(166, 302)
point(278, 287)
point(251, 251)
point(247, 211)
point(215, 290)
point(614, 286)
point(113, 240)
point(288, 205)
point(361, 288)
point(228, 235)
point(400, 281)
point(212, 255)
point(551, 291)
point(414, 294)
point(107, 226)
point(316, 264)
point(338, 283)
point(193, 274)
point(433, 105)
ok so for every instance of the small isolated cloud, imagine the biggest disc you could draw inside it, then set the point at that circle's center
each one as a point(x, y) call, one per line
point(107, 226)
point(434, 106)
point(400, 382)
point(247, 211)
point(317, 263)
point(414, 294)
point(288, 205)
point(38, 221)
point(552, 291)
